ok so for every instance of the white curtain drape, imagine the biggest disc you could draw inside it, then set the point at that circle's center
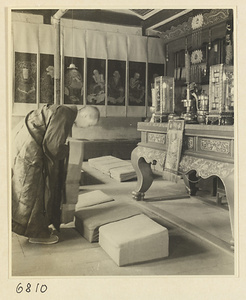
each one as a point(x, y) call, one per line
point(74, 42)
point(25, 37)
point(96, 44)
point(83, 43)
point(137, 48)
point(117, 46)
point(156, 50)
point(46, 39)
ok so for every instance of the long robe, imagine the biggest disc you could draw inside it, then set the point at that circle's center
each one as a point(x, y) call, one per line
point(39, 151)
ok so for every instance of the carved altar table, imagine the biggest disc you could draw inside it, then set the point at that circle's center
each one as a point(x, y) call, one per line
point(207, 149)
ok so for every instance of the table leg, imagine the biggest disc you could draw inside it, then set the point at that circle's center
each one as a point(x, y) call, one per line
point(190, 183)
point(144, 175)
point(228, 182)
point(229, 189)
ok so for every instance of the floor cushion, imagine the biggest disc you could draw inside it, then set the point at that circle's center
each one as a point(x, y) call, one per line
point(89, 219)
point(134, 239)
point(92, 198)
point(116, 168)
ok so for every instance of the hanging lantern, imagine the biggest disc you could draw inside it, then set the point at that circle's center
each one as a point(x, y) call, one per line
point(209, 40)
point(167, 57)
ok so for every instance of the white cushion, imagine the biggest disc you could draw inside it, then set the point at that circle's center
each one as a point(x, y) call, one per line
point(134, 239)
point(89, 219)
point(117, 168)
point(92, 198)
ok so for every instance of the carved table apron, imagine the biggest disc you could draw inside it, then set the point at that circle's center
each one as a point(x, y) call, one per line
point(207, 149)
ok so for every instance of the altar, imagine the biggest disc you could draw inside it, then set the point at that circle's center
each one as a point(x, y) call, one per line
point(208, 150)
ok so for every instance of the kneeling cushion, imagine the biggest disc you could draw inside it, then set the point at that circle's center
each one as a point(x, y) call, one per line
point(89, 219)
point(92, 198)
point(135, 239)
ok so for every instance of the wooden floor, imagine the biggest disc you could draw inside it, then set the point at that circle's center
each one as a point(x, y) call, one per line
point(199, 235)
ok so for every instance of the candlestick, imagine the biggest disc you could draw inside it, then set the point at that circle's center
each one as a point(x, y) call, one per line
point(164, 87)
point(188, 92)
point(187, 67)
point(153, 95)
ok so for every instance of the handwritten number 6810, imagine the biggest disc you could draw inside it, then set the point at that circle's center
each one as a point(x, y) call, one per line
point(19, 289)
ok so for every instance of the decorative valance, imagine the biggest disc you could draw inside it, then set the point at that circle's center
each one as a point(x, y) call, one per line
point(214, 17)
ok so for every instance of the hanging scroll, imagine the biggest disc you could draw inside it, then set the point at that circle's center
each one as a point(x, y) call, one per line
point(73, 80)
point(137, 71)
point(46, 78)
point(47, 50)
point(116, 89)
point(116, 82)
point(25, 77)
point(96, 81)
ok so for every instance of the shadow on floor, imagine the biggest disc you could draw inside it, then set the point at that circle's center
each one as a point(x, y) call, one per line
point(87, 179)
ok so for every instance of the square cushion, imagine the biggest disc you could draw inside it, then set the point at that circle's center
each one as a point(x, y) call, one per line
point(123, 173)
point(109, 166)
point(134, 239)
point(92, 198)
point(89, 219)
point(118, 169)
point(98, 162)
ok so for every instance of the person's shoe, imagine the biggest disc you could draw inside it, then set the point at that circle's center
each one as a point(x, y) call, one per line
point(44, 241)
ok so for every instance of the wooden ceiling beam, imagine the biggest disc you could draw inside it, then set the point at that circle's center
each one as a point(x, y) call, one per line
point(161, 16)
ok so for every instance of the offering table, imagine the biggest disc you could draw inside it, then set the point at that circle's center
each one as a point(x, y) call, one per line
point(207, 150)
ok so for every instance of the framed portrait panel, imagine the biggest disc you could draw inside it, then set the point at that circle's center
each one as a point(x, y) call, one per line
point(46, 78)
point(96, 81)
point(137, 84)
point(25, 77)
point(116, 82)
point(73, 80)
